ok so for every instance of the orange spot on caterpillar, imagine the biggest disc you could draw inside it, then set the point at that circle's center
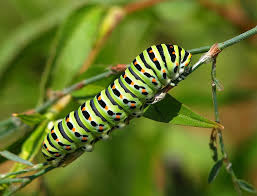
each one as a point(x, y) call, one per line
point(142, 70)
point(135, 63)
point(173, 52)
point(52, 131)
point(84, 108)
point(68, 119)
point(57, 154)
point(57, 140)
point(153, 80)
point(101, 128)
point(113, 87)
point(186, 64)
point(143, 90)
point(118, 116)
point(132, 83)
point(47, 149)
point(176, 63)
point(171, 46)
point(163, 71)
point(125, 75)
point(67, 147)
point(73, 129)
point(90, 118)
point(151, 51)
point(106, 108)
point(133, 105)
point(121, 96)
point(155, 59)
point(99, 98)
point(84, 138)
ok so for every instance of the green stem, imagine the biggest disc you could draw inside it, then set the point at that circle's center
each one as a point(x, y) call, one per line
point(227, 43)
point(217, 119)
point(70, 89)
point(214, 88)
point(26, 180)
point(34, 168)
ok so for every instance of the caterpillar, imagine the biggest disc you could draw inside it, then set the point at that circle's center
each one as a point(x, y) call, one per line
point(124, 99)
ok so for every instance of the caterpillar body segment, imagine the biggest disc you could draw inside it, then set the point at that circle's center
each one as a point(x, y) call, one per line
point(124, 99)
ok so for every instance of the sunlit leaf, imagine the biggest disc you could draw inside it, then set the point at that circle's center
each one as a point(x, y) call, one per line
point(215, 170)
point(77, 37)
point(170, 110)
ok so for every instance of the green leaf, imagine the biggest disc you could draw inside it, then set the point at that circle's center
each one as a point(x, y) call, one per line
point(30, 119)
point(246, 186)
point(32, 145)
point(14, 157)
point(170, 110)
point(215, 170)
point(77, 37)
point(25, 34)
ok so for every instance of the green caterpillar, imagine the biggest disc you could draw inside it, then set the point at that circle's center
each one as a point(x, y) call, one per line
point(153, 69)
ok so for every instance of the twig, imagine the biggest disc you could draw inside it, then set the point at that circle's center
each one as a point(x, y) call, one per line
point(70, 89)
point(34, 168)
point(220, 46)
point(225, 159)
point(26, 180)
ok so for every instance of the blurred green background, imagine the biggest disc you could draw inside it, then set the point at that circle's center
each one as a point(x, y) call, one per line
point(146, 157)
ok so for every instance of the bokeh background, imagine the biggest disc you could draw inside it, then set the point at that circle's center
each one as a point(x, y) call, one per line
point(147, 157)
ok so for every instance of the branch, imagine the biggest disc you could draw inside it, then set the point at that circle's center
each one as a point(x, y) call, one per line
point(70, 89)
point(219, 47)
point(25, 180)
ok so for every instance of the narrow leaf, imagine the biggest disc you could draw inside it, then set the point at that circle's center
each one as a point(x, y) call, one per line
point(170, 110)
point(25, 34)
point(31, 119)
point(14, 157)
point(32, 145)
point(77, 37)
point(215, 170)
point(246, 186)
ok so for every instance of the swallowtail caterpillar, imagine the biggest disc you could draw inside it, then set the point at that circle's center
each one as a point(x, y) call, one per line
point(140, 84)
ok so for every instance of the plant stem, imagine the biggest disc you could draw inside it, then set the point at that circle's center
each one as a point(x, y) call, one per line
point(26, 180)
point(70, 89)
point(214, 88)
point(34, 168)
point(227, 43)
point(217, 119)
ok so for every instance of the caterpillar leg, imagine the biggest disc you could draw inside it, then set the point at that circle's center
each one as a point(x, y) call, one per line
point(161, 94)
point(158, 97)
